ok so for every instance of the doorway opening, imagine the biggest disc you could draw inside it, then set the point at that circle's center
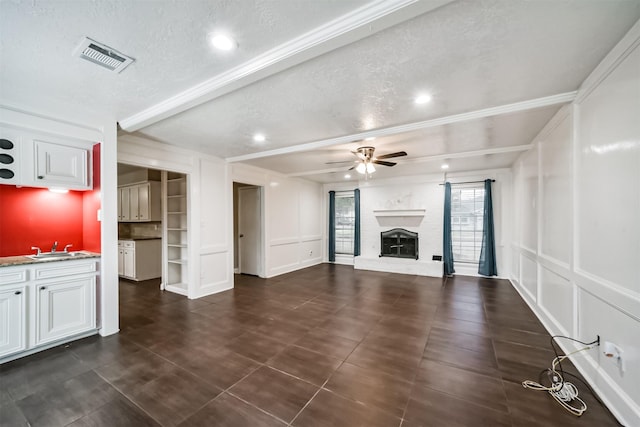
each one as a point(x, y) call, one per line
point(153, 227)
point(248, 226)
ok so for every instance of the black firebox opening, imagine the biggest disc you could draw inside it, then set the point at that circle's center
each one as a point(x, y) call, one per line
point(399, 243)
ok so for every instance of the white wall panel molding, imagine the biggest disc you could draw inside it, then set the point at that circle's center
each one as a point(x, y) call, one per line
point(610, 63)
point(310, 238)
point(555, 297)
point(587, 277)
point(558, 267)
point(284, 241)
point(610, 293)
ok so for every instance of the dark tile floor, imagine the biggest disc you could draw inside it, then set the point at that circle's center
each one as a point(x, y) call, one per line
point(324, 346)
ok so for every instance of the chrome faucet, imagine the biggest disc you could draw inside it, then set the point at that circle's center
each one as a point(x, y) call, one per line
point(66, 248)
point(54, 247)
point(37, 249)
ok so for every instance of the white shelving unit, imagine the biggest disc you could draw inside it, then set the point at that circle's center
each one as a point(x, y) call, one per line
point(176, 232)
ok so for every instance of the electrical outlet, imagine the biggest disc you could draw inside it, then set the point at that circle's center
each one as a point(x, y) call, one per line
point(614, 353)
point(310, 253)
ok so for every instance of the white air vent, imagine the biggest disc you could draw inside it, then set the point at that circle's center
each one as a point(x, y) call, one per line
point(103, 55)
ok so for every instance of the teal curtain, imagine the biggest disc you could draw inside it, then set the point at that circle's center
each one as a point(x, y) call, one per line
point(356, 232)
point(487, 263)
point(332, 226)
point(447, 248)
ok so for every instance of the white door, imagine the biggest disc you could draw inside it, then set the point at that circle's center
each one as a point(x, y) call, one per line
point(249, 229)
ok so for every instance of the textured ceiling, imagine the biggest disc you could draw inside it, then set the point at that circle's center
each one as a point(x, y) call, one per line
point(470, 55)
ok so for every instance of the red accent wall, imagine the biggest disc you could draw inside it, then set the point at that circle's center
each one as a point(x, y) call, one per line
point(38, 217)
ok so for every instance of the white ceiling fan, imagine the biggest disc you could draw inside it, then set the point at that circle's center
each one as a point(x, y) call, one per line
point(366, 160)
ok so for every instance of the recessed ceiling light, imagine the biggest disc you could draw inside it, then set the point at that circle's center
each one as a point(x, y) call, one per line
point(371, 138)
point(444, 166)
point(222, 41)
point(424, 98)
point(347, 176)
point(258, 137)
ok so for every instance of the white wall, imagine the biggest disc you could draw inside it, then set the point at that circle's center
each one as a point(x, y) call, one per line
point(292, 218)
point(210, 209)
point(576, 245)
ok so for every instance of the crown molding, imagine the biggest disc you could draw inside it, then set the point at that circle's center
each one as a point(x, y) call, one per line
point(562, 98)
point(358, 24)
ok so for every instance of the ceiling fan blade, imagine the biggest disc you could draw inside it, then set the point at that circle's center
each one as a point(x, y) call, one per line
point(390, 155)
point(343, 161)
point(383, 163)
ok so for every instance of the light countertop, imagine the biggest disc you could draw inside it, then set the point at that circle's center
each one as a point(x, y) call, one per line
point(23, 260)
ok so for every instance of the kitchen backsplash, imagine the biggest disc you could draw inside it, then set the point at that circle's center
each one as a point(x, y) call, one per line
point(142, 229)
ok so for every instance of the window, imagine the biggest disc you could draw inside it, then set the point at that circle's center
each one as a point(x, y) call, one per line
point(345, 222)
point(467, 211)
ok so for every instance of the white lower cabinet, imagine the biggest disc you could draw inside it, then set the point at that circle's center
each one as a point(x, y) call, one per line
point(13, 319)
point(46, 304)
point(140, 259)
point(64, 308)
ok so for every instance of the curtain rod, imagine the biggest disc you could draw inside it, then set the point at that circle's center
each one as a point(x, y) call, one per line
point(467, 182)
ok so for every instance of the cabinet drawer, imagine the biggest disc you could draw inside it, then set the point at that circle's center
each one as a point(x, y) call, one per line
point(64, 269)
point(12, 276)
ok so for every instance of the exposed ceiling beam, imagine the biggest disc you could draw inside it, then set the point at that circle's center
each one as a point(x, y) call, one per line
point(546, 101)
point(424, 159)
point(360, 23)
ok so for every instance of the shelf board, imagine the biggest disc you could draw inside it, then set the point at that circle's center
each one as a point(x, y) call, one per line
point(177, 261)
point(176, 229)
point(176, 245)
point(176, 196)
point(176, 213)
point(176, 179)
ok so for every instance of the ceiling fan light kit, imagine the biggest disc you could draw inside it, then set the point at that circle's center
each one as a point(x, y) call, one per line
point(367, 160)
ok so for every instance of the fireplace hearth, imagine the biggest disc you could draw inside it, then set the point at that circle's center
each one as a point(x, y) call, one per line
point(399, 243)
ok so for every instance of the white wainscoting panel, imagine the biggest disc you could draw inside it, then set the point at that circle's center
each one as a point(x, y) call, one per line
point(529, 276)
point(609, 177)
point(556, 196)
point(556, 297)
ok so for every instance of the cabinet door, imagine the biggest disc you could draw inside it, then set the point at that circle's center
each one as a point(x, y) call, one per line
point(61, 165)
point(143, 203)
point(129, 257)
point(134, 206)
point(13, 316)
point(64, 308)
point(125, 203)
point(120, 261)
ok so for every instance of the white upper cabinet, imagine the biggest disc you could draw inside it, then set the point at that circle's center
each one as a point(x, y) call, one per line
point(61, 165)
point(40, 160)
point(140, 202)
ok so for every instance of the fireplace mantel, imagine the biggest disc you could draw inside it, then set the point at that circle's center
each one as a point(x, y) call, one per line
point(399, 212)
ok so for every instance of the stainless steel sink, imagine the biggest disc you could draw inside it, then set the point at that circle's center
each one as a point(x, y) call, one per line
point(54, 255)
